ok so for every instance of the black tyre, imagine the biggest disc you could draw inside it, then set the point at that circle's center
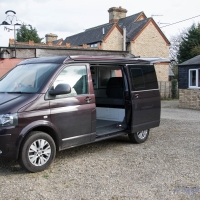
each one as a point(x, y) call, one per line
point(37, 152)
point(139, 137)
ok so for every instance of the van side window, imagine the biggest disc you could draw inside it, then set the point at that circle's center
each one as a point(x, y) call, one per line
point(143, 77)
point(137, 78)
point(76, 77)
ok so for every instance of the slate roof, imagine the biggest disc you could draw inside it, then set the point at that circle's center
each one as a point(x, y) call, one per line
point(192, 61)
point(134, 28)
point(95, 34)
point(128, 20)
point(89, 36)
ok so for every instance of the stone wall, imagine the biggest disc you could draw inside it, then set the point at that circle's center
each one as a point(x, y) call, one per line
point(189, 98)
point(150, 43)
point(162, 72)
point(114, 41)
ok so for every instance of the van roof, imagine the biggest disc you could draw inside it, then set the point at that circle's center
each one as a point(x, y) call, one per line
point(95, 59)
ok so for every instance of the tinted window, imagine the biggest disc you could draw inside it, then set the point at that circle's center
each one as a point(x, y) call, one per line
point(76, 77)
point(143, 77)
point(137, 78)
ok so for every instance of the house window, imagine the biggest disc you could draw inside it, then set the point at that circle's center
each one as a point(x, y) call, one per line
point(194, 78)
point(94, 45)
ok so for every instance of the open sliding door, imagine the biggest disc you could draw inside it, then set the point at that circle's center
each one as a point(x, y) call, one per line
point(144, 97)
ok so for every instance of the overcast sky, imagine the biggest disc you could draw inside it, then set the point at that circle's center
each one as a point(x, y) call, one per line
point(65, 18)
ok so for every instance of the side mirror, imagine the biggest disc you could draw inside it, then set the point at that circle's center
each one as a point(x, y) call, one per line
point(60, 89)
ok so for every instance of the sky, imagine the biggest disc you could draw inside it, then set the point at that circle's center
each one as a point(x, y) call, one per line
point(66, 18)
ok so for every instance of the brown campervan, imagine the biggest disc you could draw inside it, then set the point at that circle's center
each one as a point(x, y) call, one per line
point(54, 103)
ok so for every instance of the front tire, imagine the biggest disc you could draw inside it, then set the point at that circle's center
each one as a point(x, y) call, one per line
point(37, 152)
point(139, 137)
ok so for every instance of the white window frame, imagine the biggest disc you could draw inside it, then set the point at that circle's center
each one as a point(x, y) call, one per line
point(197, 78)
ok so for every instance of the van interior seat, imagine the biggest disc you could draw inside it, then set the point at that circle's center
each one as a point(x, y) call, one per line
point(114, 92)
point(115, 87)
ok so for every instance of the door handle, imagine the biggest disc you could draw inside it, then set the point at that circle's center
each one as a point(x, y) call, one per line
point(136, 96)
point(88, 99)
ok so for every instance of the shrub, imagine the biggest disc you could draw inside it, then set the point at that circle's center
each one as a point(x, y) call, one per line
point(174, 88)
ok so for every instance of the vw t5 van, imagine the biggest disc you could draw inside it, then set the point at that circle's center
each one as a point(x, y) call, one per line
point(54, 103)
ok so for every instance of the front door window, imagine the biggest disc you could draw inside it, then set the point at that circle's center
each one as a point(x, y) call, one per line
point(76, 77)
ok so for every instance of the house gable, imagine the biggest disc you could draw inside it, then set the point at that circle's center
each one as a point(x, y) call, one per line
point(147, 22)
point(115, 26)
point(113, 40)
point(142, 16)
point(147, 40)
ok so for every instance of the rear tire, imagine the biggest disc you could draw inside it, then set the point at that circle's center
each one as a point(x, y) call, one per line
point(139, 137)
point(37, 152)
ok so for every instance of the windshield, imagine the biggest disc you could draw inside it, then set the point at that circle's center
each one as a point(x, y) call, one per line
point(27, 78)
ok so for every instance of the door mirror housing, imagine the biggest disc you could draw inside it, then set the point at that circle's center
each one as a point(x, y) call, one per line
point(62, 88)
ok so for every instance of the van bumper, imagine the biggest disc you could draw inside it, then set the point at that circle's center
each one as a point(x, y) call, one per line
point(8, 150)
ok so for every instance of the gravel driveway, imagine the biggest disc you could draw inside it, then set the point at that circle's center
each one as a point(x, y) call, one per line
point(167, 166)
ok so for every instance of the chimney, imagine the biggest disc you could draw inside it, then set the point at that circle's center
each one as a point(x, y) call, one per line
point(50, 37)
point(116, 13)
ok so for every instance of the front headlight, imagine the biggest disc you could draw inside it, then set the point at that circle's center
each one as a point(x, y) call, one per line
point(8, 120)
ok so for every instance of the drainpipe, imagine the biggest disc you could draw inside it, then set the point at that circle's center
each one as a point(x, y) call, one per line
point(15, 41)
point(124, 38)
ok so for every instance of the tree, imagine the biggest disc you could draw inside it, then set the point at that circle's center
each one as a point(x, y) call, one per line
point(175, 42)
point(25, 34)
point(174, 49)
point(190, 45)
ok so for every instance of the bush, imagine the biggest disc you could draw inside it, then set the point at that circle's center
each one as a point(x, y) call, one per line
point(174, 88)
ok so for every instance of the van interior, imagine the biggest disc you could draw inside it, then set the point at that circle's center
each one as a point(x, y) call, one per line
point(109, 95)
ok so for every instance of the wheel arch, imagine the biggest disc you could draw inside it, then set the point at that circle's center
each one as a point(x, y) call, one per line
point(49, 131)
point(38, 127)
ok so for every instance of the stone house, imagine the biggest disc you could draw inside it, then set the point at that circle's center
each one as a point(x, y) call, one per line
point(189, 83)
point(137, 34)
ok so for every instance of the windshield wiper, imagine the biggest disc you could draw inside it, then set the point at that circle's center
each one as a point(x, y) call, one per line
point(20, 92)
